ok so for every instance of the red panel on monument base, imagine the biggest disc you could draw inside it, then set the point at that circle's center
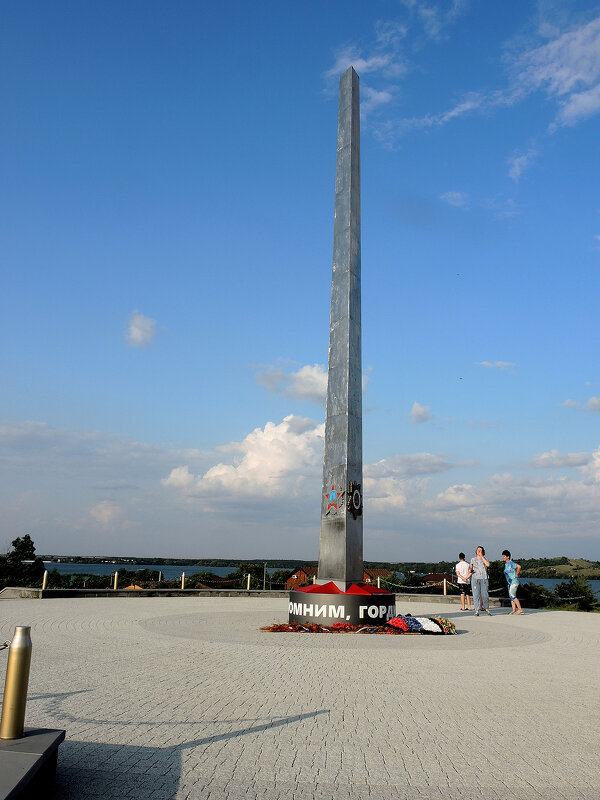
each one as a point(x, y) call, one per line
point(331, 588)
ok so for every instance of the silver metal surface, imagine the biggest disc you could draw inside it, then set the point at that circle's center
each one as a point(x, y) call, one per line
point(341, 539)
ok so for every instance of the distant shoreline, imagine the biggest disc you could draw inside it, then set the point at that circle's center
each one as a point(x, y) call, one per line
point(176, 562)
point(560, 567)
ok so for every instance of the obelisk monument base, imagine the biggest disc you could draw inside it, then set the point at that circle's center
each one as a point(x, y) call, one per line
point(326, 605)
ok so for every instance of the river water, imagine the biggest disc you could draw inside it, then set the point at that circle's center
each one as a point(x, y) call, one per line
point(550, 583)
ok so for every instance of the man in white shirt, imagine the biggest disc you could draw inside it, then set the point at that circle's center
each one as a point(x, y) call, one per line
point(462, 575)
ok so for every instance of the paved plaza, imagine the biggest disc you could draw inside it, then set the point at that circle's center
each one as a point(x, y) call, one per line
point(186, 698)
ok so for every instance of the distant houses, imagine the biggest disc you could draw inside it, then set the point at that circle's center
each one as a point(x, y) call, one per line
point(302, 576)
point(437, 578)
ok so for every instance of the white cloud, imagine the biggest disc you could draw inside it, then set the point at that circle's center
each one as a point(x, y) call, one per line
point(389, 34)
point(472, 102)
point(592, 405)
point(388, 131)
point(141, 330)
point(570, 61)
point(456, 199)
point(568, 68)
point(495, 364)
point(537, 513)
point(553, 459)
point(408, 466)
point(435, 17)
point(274, 460)
point(307, 383)
point(350, 57)
point(179, 478)
point(39, 444)
point(106, 513)
point(592, 469)
point(518, 502)
point(371, 99)
point(579, 106)
point(383, 56)
point(459, 496)
point(394, 483)
point(519, 163)
point(62, 487)
point(420, 414)
point(571, 404)
point(501, 208)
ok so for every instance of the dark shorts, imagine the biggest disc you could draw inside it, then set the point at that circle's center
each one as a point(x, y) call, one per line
point(464, 588)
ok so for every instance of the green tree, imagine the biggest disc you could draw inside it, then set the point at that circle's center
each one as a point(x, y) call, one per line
point(23, 549)
point(98, 581)
point(203, 577)
point(277, 579)
point(533, 595)
point(15, 571)
point(55, 580)
point(392, 582)
point(577, 592)
point(496, 577)
point(241, 575)
point(412, 581)
point(146, 576)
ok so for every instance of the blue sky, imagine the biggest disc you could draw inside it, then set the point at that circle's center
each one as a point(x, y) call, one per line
point(166, 222)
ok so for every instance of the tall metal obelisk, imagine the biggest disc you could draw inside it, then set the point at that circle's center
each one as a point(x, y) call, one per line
point(341, 540)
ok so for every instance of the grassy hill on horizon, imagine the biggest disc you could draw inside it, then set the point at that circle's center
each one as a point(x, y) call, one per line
point(581, 567)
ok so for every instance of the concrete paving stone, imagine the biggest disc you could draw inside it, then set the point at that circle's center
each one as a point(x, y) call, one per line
point(174, 698)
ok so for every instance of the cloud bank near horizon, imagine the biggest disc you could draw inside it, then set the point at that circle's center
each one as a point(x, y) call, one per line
point(90, 492)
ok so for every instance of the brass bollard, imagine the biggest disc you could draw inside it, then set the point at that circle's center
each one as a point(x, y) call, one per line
point(248, 583)
point(183, 580)
point(445, 587)
point(15, 687)
point(116, 581)
point(45, 580)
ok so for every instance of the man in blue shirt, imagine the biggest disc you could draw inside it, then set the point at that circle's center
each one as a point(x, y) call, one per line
point(512, 572)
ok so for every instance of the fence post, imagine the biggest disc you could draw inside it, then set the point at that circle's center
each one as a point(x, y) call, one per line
point(116, 581)
point(183, 580)
point(445, 591)
point(45, 580)
point(248, 586)
point(15, 686)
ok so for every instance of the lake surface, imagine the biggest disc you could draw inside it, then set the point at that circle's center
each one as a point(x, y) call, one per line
point(170, 572)
point(550, 583)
